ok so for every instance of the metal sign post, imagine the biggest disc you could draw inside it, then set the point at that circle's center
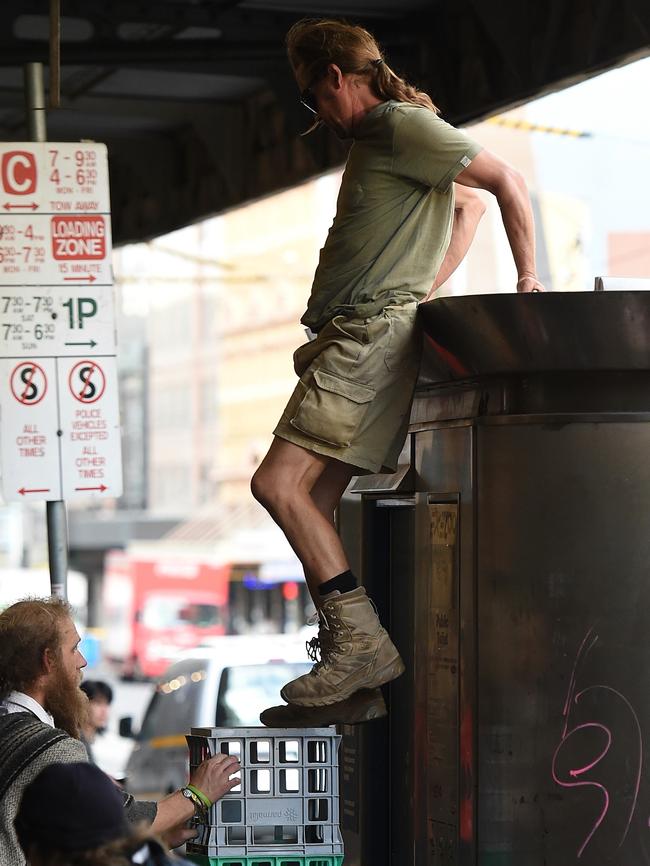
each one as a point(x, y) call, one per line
point(57, 521)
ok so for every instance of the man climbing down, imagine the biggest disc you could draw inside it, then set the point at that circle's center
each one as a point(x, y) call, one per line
point(405, 219)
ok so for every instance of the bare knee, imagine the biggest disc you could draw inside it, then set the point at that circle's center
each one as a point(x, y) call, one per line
point(268, 489)
point(260, 488)
point(278, 494)
point(284, 479)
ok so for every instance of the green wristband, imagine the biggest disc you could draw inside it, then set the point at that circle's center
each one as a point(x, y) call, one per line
point(206, 802)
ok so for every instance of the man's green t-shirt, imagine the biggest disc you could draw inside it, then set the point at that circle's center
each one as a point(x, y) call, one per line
point(394, 213)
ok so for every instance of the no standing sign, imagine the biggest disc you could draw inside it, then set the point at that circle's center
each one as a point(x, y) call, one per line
point(59, 415)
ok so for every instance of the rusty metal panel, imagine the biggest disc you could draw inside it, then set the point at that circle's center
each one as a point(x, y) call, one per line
point(442, 662)
point(444, 678)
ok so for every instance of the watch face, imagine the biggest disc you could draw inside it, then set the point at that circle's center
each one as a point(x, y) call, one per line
point(186, 793)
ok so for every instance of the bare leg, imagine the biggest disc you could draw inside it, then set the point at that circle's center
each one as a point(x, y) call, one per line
point(301, 490)
point(326, 495)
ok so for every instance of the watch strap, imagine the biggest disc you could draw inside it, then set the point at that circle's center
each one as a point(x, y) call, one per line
point(202, 797)
point(199, 806)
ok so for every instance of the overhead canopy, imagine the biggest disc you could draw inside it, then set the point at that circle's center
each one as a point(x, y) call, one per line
point(199, 109)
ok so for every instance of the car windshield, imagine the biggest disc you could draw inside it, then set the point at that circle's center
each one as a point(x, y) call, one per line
point(246, 690)
point(168, 611)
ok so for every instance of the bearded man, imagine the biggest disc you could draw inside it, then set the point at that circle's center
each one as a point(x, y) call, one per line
point(42, 710)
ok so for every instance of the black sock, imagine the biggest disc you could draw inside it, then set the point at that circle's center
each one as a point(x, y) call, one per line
point(344, 582)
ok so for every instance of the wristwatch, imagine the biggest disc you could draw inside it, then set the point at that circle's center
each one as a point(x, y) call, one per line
point(199, 808)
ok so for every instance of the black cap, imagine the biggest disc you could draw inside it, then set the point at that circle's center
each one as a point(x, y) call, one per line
point(71, 807)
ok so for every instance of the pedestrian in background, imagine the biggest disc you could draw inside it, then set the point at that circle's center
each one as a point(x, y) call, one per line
point(100, 698)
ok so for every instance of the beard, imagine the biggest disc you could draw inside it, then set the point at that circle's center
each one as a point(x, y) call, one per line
point(66, 703)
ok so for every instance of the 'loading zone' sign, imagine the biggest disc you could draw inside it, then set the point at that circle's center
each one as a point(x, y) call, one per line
point(59, 416)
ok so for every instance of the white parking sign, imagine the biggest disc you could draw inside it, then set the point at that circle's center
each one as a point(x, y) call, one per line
point(59, 417)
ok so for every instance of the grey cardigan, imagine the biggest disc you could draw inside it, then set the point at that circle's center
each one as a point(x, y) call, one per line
point(27, 746)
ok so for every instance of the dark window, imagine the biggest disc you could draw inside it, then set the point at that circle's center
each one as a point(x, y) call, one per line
point(246, 690)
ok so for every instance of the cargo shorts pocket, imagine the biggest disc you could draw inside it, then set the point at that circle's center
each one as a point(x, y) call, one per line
point(332, 408)
point(404, 340)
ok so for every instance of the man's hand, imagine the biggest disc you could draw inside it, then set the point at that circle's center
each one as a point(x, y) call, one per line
point(179, 835)
point(212, 776)
point(529, 284)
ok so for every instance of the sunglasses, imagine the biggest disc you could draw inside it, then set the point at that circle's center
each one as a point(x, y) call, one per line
point(307, 98)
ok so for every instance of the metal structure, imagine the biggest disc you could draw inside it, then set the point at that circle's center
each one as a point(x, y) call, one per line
point(510, 557)
point(56, 516)
point(198, 107)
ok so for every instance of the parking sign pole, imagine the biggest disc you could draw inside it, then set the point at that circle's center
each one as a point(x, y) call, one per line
point(57, 546)
point(35, 102)
point(57, 523)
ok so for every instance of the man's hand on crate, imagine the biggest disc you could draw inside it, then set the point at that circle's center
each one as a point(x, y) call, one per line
point(212, 779)
point(212, 776)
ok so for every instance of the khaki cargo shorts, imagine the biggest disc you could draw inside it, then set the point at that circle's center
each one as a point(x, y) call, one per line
point(357, 379)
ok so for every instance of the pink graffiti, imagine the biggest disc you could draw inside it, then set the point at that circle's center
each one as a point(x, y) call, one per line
point(640, 744)
point(573, 698)
point(578, 772)
point(572, 682)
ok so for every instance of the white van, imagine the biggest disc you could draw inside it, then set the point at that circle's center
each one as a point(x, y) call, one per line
point(225, 684)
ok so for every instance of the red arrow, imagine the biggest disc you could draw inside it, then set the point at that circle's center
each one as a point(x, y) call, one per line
point(101, 487)
point(32, 206)
point(23, 491)
point(90, 278)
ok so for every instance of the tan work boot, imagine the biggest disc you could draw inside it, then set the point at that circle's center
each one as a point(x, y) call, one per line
point(355, 653)
point(366, 705)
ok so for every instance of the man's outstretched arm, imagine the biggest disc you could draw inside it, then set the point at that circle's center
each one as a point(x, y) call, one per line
point(468, 210)
point(489, 172)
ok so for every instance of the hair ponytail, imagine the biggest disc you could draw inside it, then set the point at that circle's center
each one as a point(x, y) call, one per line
point(312, 43)
point(387, 84)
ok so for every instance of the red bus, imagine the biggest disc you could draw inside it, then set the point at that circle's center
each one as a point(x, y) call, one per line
point(155, 607)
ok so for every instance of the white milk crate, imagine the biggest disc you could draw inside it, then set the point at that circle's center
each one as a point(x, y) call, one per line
point(288, 798)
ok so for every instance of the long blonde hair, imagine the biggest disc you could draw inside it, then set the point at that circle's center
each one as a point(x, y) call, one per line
point(312, 43)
